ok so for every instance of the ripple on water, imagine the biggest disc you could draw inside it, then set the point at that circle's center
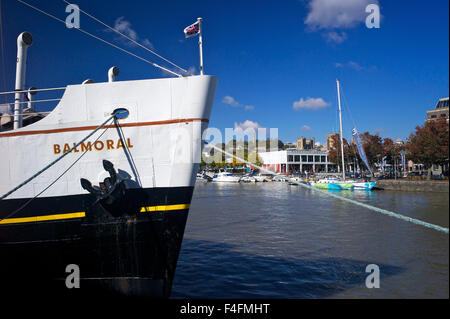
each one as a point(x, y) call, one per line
point(271, 240)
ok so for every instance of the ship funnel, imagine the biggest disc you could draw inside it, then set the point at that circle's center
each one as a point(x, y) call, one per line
point(24, 40)
point(113, 72)
point(31, 92)
point(88, 81)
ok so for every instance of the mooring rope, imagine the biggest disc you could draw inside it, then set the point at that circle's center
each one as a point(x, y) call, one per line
point(100, 39)
point(370, 207)
point(129, 39)
point(28, 202)
point(58, 159)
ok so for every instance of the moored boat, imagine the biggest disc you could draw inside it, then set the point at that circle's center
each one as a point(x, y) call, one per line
point(225, 177)
point(363, 185)
point(248, 179)
point(343, 184)
point(332, 184)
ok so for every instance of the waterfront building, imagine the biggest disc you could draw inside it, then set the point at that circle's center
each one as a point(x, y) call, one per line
point(289, 145)
point(296, 161)
point(440, 111)
point(305, 143)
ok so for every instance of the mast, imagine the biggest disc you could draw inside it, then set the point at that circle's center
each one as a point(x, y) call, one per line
point(200, 44)
point(340, 129)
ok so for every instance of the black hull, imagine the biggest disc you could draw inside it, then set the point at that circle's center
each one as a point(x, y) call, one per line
point(129, 248)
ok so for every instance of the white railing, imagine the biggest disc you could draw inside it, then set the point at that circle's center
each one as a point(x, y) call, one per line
point(33, 101)
point(34, 90)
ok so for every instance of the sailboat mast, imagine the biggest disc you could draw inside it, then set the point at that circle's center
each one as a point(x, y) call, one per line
point(340, 128)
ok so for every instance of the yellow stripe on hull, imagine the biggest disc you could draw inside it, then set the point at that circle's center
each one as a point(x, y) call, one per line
point(161, 208)
point(42, 218)
point(164, 208)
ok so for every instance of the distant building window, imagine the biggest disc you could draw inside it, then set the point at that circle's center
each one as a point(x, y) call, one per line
point(443, 115)
point(433, 116)
point(323, 159)
point(304, 158)
point(310, 158)
point(317, 158)
point(290, 158)
point(442, 104)
point(297, 158)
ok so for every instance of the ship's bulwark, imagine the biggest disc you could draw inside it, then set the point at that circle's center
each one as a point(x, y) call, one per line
point(130, 252)
point(123, 229)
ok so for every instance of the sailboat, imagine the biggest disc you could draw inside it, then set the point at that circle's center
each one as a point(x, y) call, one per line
point(338, 184)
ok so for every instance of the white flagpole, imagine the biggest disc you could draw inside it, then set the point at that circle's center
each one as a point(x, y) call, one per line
point(200, 44)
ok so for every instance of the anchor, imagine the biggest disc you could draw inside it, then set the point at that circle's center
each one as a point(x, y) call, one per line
point(110, 193)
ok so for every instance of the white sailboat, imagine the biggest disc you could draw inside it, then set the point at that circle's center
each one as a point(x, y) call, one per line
point(342, 184)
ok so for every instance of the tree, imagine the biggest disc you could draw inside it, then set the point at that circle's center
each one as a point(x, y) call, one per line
point(334, 154)
point(429, 144)
point(373, 148)
point(276, 142)
point(388, 149)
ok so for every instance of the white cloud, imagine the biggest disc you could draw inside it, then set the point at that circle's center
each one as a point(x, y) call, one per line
point(246, 125)
point(330, 16)
point(168, 74)
point(355, 66)
point(192, 70)
point(124, 27)
point(310, 104)
point(336, 14)
point(335, 37)
point(305, 128)
point(231, 101)
point(147, 43)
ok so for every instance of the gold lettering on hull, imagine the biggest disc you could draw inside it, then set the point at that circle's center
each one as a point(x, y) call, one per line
point(108, 145)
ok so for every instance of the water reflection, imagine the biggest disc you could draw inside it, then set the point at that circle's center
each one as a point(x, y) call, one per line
point(277, 240)
point(227, 273)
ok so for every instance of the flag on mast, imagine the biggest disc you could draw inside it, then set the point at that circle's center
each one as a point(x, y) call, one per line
point(361, 152)
point(192, 30)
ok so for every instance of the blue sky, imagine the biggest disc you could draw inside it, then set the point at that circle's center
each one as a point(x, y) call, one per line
point(268, 55)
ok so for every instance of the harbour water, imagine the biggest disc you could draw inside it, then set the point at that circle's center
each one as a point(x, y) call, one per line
point(274, 240)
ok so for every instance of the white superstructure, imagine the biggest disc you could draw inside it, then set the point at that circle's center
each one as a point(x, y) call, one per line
point(162, 132)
